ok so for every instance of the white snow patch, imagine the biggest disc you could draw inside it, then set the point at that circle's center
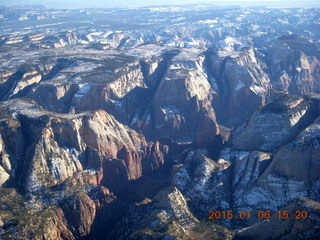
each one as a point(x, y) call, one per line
point(229, 43)
point(84, 89)
point(295, 118)
point(209, 21)
point(169, 110)
point(166, 9)
point(257, 89)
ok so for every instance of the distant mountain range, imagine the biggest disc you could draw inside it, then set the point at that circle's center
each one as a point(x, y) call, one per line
point(143, 3)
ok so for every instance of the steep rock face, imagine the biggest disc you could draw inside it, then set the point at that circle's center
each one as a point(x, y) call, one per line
point(247, 168)
point(180, 102)
point(245, 179)
point(117, 90)
point(50, 164)
point(5, 165)
point(80, 212)
point(79, 83)
point(105, 88)
point(62, 146)
point(275, 124)
point(300, 158)
point(15, 81)
point(67, 157)
point(293, 172)
point(131, 165)
point(13, 147)
point(102, 132)
point(54, 97)
point(291, 228)
point(166, 216)
point(123, 86)
point(4, 176)
point(154, 68)
point(58, 228)
point(294, 65)
point(240, 84)
point(203, 181)
point(24, 220)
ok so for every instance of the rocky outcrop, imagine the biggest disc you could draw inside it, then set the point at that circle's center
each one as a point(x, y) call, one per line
point(203, 181)
point(182, 102)
point(80, 84)
point(69, 218)
point(17, 81)
point(300, 158)
point(294, 65)
point(275, 124)
point(240, 83)
point(55, 97)
point(168, 208)
point(251, 179)
point(57, 228)
point(61, 146)
point(80, 212)
point(5, 165)
point(166, 216)
point(66, 160)
point(30, 220)
point(290, 172)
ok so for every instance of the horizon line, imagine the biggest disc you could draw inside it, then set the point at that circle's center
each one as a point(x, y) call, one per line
point(265, 4)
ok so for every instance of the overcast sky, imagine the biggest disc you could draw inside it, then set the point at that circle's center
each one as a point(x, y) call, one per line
point(139, 3)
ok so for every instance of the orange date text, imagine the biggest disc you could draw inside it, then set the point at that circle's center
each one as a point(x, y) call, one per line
point(260, 214)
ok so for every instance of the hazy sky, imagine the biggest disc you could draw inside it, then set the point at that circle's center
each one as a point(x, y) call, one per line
point(136, 3)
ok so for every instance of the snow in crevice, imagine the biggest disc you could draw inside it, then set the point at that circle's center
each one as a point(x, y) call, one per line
point(295, 118)
point(170, 110)
point(271, 194)
point(202, 180)
point(84, 89)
